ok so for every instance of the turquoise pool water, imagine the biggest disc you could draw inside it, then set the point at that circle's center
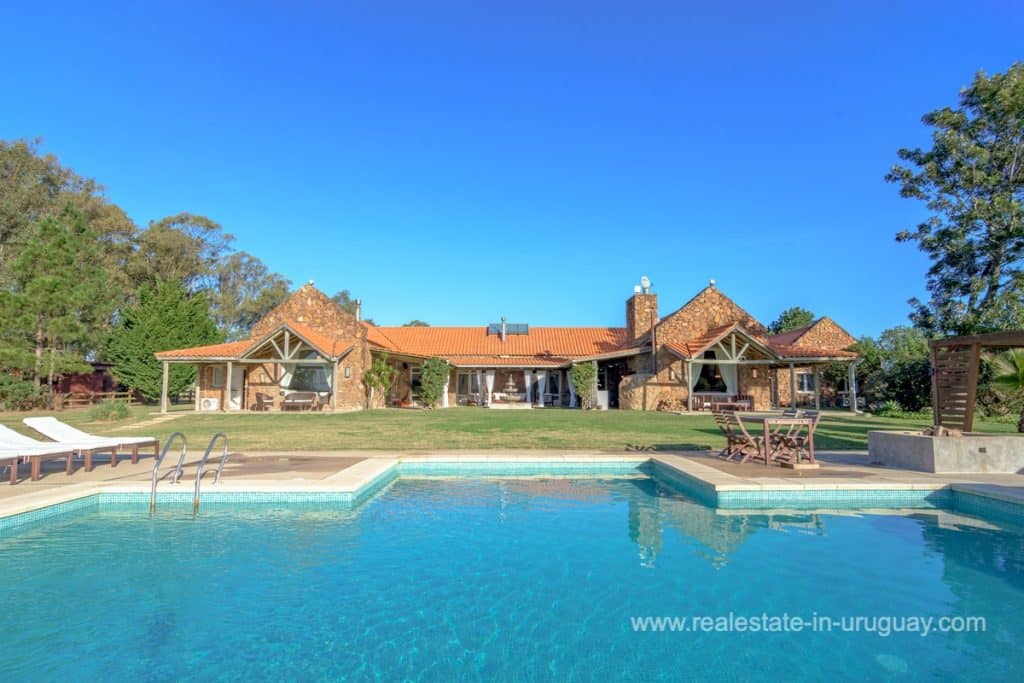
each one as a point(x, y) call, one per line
point(492, 579)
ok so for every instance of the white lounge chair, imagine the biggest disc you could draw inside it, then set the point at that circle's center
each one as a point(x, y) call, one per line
point(53, 428)
point(14, 445)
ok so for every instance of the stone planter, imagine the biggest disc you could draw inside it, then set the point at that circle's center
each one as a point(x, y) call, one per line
point(970, 453)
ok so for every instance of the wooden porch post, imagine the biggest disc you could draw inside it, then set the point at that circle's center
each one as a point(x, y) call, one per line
point(792, 386)
point(163, 389)
point(689, 387)
point(817, 388)
point(851, 387)
point(227, 388)
point(334, 386)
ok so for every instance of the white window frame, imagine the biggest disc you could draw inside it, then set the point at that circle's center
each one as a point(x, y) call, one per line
point(218, 380)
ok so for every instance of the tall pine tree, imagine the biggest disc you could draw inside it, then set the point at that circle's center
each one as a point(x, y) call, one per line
point(165, 317)
point(58, 299)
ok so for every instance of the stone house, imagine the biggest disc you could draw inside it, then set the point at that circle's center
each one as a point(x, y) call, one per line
point(709, 351)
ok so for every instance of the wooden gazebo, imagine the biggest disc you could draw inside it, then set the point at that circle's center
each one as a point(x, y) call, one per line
point(955, 366)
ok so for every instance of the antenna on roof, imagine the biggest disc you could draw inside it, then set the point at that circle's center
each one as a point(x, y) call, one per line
point(711, 282)
point(310, 283)
point(645, 283)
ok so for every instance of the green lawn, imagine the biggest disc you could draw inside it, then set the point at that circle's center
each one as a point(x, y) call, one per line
point(473, 428)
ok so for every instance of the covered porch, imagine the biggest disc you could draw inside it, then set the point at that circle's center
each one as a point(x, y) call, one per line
point(729, 368)
point(509, 386)
point(285, 370)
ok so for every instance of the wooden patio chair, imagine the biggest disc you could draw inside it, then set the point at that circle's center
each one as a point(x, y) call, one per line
point(264, 402)
point(798, 441)
point(739, 442)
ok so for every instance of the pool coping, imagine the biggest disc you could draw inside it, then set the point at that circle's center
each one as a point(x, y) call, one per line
point(712, 486)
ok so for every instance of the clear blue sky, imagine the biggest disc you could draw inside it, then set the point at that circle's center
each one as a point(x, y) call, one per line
point(457, 161)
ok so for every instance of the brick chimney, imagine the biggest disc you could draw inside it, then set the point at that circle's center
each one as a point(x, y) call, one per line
point(641, 311)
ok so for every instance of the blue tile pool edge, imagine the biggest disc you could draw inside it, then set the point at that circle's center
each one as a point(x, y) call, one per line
point(947, 498)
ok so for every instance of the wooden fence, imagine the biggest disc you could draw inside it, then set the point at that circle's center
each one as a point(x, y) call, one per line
point(87, 398)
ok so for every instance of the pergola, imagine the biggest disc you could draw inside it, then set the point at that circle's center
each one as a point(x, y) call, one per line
point(955, 365)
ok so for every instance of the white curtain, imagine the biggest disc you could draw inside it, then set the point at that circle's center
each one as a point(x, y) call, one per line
point(528, 377)
point(542, 382)
point(695, 368)
point(489, 376)
point(728, 373)
point(286, 374)
point(444, 396)
point(572, 389)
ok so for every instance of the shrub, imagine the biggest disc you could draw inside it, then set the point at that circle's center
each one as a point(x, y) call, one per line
point(378, 378)
point(584, 381)
point(18, 394)
point(433, 377)
point(109, 411)
point(890, 409)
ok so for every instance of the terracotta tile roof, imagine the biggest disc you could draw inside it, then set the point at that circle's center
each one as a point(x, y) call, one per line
point(694, 347)
point(789, 338)
point(326, 345)
point(332, 347)
point(793, 351)
point(507, 361)
point(376, 337)
point(562, 342)
point(225, 350)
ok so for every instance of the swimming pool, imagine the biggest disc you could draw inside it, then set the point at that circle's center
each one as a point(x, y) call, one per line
point(502, 579)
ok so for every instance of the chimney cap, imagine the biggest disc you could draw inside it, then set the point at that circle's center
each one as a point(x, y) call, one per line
point(310, 283)
point(711, 282)
point(636, 289)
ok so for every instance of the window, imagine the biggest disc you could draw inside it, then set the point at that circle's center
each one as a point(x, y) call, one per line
point(219, 373)
point(309, 378)
point(552, 387)
point(414, 382)
point(348, 372)
point(805, 382)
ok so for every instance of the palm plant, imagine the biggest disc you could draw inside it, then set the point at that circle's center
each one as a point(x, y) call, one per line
point(1009, 375)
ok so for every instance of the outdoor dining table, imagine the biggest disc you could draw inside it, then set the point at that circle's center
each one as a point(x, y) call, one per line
point(777, 430)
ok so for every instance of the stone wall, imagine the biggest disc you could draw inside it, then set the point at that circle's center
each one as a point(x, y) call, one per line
point(314, 309)
point(826, 334)
point(706, 311)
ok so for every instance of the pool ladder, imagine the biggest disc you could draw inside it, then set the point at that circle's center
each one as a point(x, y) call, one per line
point(179, 468)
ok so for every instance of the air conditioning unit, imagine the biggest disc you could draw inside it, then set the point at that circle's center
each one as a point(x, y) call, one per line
point(206, 404)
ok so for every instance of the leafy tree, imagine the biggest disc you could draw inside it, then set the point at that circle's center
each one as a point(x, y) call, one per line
point(246, 291)
point(791, 319)
point(379, 378)
point(1009, 376)
point(584, 382)
point(184, 247)
point(896, 368)
point(972, 180)
point(416, 323)
point(34, 186)
point(58, 299)
point(165, 317)
point(433, 375)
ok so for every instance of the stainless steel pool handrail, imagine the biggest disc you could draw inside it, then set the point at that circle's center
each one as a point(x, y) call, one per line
point(202, 466)
point(160, 459)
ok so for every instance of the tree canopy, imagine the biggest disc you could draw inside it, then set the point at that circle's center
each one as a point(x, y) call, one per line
point(72, 263)
point(165, 317)
point(791, 319)
point(972, 182)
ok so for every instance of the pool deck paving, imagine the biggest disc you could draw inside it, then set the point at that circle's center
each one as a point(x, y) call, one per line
point(351, 471)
